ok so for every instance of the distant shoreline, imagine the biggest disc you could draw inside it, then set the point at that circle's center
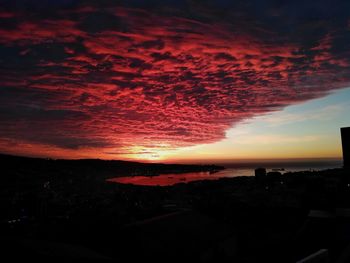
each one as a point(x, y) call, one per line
point(104, 167)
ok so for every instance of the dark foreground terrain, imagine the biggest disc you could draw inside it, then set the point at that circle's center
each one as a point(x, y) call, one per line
point(57, 211)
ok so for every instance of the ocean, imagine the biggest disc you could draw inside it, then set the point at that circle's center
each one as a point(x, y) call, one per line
point(231, 170)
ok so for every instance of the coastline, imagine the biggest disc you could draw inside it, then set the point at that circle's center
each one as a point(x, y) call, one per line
point(62, 203)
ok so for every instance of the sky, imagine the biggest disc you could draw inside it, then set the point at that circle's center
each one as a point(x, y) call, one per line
point(309, 130)
point(174, 80)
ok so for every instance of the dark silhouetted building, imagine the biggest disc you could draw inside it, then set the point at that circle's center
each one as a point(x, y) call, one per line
point(260, 173)
point(274, 176)
point(178, 237)
point(345, 138)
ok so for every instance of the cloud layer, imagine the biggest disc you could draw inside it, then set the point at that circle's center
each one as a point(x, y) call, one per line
point(136, 79)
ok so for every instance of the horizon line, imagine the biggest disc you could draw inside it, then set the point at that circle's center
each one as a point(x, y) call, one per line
point(194, 161)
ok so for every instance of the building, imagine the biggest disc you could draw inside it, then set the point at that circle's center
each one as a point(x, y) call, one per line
point(345, 138)
point(260, 173)
point(178, 237)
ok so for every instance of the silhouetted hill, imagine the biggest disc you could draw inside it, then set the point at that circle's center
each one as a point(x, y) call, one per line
point(117, 167)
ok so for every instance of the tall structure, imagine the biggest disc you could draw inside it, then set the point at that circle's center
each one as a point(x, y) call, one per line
point(345, 139)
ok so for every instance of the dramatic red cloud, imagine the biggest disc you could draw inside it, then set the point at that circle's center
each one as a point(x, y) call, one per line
point(125, 82)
